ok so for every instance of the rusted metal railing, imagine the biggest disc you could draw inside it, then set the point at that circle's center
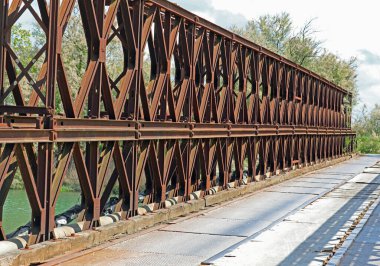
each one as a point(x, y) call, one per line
point(213, 110)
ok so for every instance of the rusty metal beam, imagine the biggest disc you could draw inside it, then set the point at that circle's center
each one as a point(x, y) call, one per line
point(214, 110)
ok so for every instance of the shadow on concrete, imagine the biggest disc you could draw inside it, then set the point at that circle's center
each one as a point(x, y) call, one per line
point(366, 248)
point(305, 255)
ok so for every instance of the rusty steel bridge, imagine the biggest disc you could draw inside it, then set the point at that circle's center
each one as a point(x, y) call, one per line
point(217, 110)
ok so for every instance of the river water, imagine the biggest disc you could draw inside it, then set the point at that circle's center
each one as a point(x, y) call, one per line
point(17, 210)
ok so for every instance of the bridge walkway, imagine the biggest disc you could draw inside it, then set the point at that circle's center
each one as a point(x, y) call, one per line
point(298, 221)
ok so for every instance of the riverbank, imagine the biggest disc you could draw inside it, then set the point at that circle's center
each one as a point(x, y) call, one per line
point(70, 184)
point(18, 184)
point(17, 211)
point(66, 187)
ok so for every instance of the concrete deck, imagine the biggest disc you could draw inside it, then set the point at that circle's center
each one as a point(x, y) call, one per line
point(295, 222)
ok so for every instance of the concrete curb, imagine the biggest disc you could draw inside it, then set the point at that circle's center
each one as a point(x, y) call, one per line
point(87, 239)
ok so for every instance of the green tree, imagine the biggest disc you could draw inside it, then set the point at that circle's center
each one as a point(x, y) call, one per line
point(338, 71)
point(25, 47)
point(367, 126)
point(302, 47)
point(24, 44)
point(268, 31)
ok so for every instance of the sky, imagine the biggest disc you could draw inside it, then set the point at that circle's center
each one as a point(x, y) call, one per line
point(348, 28)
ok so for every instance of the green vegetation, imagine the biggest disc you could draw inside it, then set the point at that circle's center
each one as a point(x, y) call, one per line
point(367, 125)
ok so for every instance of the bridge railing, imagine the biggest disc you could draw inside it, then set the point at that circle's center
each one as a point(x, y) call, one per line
point(194, 109)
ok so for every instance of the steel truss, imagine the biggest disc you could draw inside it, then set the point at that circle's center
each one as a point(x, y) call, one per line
point(216, 110)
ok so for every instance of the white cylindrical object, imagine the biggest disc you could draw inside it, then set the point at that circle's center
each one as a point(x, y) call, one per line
point(109, 219)
point(171, 202)
point(195, 195)
point(12, 244)
point(68, 230)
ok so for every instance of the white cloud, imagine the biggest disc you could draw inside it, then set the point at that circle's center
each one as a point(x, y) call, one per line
point(223, 17)
point(368, 78)
point(205, 15)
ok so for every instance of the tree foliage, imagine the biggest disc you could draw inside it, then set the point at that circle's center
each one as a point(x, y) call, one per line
point(26, 46)
point(367, 126)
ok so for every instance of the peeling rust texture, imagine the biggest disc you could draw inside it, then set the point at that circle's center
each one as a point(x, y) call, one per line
point(213, 110)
